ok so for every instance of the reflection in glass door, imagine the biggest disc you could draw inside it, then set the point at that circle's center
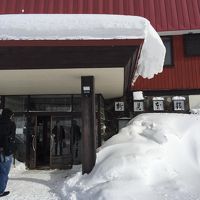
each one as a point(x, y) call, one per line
point(43, 141)
point(31, 142)
point(60, 145)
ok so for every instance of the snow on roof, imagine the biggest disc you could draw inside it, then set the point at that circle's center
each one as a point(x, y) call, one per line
point(138, 95)
point(90, 27)
point(158, 98)
point(178, 98)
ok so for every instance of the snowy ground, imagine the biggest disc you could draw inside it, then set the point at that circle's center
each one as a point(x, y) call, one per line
point(156, 157)
point(37, 184)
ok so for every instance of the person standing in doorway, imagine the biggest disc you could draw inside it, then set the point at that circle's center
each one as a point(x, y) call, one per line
point(75, 142)
point(7, 147)
point(59, 136)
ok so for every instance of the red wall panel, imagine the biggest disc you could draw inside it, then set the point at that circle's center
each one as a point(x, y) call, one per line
point(185, 74)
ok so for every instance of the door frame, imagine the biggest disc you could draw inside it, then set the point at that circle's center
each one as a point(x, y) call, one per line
point(31, 146)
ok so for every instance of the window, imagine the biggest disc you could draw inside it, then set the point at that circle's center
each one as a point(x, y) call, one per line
point(77, 103)
point(16, 103)
point(192, 44)
point(51, 103)
point(168, 57)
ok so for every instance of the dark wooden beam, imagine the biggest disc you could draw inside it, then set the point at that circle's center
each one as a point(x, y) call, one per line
point(109, 42)
point(88, 124)
point(64, 57)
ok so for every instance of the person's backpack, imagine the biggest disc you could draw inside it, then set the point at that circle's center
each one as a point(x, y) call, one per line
point(7, 141)
point(2, 135)
point(3, 142)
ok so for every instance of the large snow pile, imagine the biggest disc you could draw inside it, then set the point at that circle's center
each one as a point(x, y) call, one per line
point(157, 157)
point(195, 111)
point(88, 27)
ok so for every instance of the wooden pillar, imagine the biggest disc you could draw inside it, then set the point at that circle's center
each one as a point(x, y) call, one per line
point(88, 124)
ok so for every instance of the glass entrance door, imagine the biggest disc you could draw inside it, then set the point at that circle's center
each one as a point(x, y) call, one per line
point(60, 145)
point(31, 141)
point(49, 142)
point(38, 141)
point(43, 141)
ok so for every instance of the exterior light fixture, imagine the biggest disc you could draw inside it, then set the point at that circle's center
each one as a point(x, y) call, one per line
point(86, 90)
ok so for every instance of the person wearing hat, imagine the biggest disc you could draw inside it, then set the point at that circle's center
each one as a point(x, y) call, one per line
point(7, 146)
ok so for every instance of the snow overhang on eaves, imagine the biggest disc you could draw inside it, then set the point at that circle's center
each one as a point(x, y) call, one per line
point(89, 27)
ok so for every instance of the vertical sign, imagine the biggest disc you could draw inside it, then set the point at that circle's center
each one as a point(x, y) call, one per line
point(138, 106)
point(158, 105)
point(119, 106)
point(179, 105)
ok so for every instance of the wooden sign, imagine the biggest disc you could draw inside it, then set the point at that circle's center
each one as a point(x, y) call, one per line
point(179, 105)
point(138, 106)
point(158, 105)
point(119, 106)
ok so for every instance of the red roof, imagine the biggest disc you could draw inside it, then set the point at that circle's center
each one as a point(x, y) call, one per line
point(165, 15)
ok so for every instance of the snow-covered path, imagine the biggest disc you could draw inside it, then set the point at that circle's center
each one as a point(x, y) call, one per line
point(37, 184)
point(48, 185)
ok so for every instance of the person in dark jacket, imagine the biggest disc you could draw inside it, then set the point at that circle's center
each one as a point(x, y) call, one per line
point(7, 146)
point(75, 142)
point(59, 135)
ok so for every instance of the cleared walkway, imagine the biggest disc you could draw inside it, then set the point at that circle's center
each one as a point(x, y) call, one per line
point(37, 184)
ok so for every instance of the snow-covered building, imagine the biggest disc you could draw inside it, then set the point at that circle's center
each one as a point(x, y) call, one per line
point(44, 56)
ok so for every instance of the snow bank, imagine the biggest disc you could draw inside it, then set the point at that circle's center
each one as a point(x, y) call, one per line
point(157, 156)
point(195, 111)
point(88, 27)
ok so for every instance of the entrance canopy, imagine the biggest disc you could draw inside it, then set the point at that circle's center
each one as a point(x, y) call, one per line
point(97, 43)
